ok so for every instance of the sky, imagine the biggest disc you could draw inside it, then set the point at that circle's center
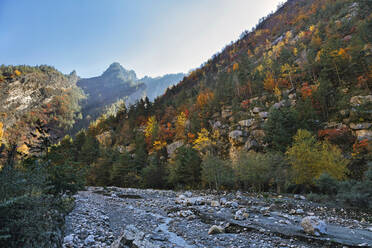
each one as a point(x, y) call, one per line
point(152, 37)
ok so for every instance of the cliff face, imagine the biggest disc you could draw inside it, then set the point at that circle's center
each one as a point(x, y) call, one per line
point(31, 93)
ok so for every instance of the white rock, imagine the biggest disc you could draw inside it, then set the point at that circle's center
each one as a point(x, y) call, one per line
point(313, 226)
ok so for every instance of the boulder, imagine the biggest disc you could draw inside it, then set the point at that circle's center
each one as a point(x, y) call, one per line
point(216, 230)
point(360, 100)
point(236, 137)
point(364, 134)
point(256, 110)
point(360, 126)
point(251, 144)
point(171, 148)
point(215, 204)
point(263, 115)
point(258, 135)
point(313, 226)
point(246, 123)
point(216, 125)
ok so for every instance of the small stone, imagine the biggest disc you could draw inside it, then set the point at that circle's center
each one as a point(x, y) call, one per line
point(300, 211)
point(215, 204)
point(215, 230)
point(89, 240)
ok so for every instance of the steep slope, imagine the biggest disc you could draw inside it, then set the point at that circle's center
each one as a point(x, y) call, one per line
point(31, 93)
point(286, 107)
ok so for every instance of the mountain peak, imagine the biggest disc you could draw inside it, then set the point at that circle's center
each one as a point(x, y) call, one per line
point(117, 70)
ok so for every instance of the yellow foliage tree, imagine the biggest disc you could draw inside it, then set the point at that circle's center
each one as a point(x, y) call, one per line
point(181, 126)
point(287, 71)
point(310, 159)
point(235, 67)
point(158, 145)
point(151, 127)
point(17, 73)
point(203, 141)
point(278, 93)
point(23, 149)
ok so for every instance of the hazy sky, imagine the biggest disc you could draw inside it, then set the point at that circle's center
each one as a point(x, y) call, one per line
point(153, 37)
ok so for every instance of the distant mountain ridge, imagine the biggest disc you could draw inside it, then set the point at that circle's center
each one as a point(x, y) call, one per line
point(117, 83)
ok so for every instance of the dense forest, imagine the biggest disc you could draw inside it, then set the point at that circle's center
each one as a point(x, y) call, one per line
point(285, 108)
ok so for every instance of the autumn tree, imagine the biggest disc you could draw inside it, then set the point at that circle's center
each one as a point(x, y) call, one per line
point(181, 126)
point(269, 82)
point(310, 159)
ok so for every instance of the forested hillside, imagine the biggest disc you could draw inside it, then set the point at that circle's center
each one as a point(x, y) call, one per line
point(287, 108)
point(28, 94)
point(290, 100)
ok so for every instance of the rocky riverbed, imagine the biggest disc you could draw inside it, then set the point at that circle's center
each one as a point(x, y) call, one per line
point(116, 217)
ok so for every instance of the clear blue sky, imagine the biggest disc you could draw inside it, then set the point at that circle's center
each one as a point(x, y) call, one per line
point(153, 37)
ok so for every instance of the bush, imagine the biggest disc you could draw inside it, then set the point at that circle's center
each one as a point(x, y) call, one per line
point(253, 170)
point(355, 193)
point(216, 173)
point(327, 184)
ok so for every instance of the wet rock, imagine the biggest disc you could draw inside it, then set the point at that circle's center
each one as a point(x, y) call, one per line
point(313, 226)
point(215, 230)
point(215, 204)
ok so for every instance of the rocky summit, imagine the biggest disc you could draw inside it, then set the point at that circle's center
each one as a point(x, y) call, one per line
point(117, 217)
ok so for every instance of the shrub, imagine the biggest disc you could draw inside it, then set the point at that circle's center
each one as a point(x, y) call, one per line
point(216, 173)
point(327, 184)
point(253, 170)
point(355, 193)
